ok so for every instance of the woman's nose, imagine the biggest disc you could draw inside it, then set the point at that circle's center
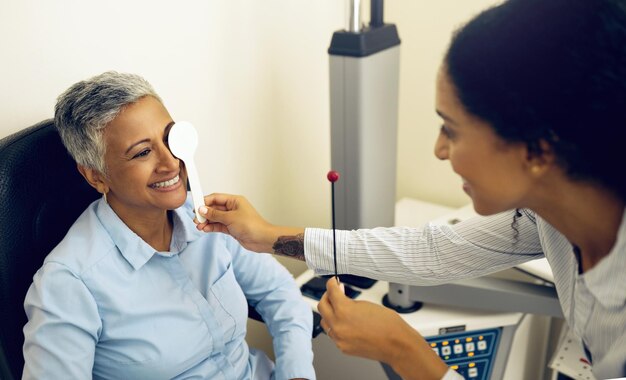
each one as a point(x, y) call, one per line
point(441, 147)
point(167, 160)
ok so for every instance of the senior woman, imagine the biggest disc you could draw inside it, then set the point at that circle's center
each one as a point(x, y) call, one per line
point(134, 290)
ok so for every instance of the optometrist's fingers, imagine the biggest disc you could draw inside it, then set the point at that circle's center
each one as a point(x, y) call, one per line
point(326, 327)
point(325, 308)
point(218, 204)
point(336, 291)
point(229, 201)
point(234, 215)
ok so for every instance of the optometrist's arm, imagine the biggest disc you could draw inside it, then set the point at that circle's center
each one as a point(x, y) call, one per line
point(375, 332)
point(234, 215)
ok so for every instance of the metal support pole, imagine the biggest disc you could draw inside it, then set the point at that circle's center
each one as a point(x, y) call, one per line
point(376, 13)
point(355, 16)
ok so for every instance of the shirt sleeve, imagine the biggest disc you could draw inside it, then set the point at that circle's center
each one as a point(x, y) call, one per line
point(271, 289)
point(430, 255)
point(63, 326)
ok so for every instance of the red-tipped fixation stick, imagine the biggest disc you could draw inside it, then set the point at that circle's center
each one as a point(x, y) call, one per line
point(333, 177)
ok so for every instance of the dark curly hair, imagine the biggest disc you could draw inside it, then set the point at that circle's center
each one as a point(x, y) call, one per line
point(554, 71)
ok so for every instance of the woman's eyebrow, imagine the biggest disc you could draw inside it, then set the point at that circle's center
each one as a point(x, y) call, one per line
point(135, 144)
point(166, 132)
point(445, 117)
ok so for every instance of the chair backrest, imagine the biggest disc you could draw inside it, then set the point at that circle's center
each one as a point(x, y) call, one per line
point(41, 195)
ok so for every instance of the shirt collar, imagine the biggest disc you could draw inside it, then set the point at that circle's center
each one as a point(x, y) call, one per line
point(606, 281)
point(133, 248)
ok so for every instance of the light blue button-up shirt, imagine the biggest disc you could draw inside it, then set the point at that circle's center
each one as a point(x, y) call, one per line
point(106, 305)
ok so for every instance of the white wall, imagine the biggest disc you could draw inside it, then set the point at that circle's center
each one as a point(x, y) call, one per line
point(425, 29)
point(251, 75)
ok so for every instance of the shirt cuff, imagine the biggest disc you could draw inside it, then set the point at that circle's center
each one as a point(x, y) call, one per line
point(452, 375)
point(294, 357)
point(318, 250)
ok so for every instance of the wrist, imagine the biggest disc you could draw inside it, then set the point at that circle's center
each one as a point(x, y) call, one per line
point(287, 241)
point(413, 358)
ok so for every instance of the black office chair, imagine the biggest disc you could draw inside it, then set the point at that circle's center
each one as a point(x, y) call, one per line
point(41, 195)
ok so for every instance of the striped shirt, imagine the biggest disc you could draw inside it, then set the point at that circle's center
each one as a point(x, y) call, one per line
point(593, 303)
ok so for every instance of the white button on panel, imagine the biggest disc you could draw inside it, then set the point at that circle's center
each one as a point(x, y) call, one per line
point(482, 345)
point(436, 350)
point(445, 350)
point(469, 347)
point(458, 348)
point(473, 372)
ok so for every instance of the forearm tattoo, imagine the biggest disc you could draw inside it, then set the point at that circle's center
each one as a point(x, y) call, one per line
point(291, 246)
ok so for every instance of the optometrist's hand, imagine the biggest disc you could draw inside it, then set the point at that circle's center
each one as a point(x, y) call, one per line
point(375, 332)
point(234, 215)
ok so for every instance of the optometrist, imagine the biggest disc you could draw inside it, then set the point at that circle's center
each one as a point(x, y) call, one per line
point(532, 95)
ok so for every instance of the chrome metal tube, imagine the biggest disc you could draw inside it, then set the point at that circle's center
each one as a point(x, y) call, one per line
point(355, 16)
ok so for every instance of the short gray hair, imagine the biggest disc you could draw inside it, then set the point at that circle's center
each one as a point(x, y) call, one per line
point(86, 108)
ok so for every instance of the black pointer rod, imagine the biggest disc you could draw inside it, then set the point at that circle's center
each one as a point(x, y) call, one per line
point(333, 177)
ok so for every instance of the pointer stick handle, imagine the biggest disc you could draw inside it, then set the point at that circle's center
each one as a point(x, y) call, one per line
point(196, 189)
point(332, 192)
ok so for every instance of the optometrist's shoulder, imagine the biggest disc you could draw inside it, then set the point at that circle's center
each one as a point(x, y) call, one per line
point(235, 215)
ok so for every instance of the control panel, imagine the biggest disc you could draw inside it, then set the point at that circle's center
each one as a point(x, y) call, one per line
point(470, 353)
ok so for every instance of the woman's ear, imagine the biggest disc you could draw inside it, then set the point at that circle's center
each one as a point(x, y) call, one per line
point(95, 178)
point(541, 159)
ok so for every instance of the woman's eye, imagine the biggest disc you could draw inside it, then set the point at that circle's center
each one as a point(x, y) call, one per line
point(446, 131)
point(143, 153)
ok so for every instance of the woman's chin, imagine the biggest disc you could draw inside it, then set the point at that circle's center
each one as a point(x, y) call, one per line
point(180, 201)
point(467, 189)
point(481, 212)
point(175, 205)
point(173, 200)
point(484, 209)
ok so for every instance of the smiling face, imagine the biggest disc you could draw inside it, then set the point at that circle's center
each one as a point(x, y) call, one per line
point(496, 174)
point(143, 177)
